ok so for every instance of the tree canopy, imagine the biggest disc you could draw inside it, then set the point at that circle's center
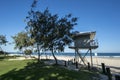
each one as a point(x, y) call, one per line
point(50, 31)
point(3, 40)
point(22, 40)
point(28, 51)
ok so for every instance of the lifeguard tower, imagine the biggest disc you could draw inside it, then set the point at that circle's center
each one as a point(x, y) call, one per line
point(84, 40)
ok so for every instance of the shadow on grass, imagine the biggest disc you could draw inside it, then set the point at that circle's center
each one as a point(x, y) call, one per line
point(40, 71)
point(2, 57)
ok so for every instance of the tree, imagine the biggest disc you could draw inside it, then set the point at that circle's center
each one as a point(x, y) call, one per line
point(50, 31)
point(22, 41)
point(3, 41)
point(28, 51)
point(59, 33)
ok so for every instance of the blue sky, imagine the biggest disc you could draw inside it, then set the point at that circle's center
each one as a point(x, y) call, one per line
point(102, 16)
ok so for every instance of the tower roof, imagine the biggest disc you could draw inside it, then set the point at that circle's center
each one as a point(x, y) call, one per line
point(83, 34)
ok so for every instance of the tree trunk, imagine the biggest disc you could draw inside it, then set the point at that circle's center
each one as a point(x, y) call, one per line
point(54, 57)
point(38, 53)
point(46, 55)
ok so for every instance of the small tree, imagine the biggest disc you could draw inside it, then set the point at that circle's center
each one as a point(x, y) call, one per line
point(3, 41)
point(49, 31)
point(22, 41)
point(59, 33)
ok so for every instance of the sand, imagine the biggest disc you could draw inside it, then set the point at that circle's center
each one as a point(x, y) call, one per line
point(112, 62)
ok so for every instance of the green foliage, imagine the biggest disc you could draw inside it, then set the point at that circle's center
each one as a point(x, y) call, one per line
point(50, 31)
point(28, 52)
point(3, 53)
point(22, 40)
point(3, 40)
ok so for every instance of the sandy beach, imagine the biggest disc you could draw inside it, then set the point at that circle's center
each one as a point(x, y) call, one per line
point(112, 62)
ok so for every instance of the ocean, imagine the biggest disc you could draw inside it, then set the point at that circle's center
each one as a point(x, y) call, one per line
point(73, 54)
point(93, 54)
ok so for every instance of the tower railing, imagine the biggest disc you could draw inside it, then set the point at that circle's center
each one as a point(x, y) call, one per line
point(94, 43)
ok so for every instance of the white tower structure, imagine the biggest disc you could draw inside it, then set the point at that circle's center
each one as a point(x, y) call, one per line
point(84, 40)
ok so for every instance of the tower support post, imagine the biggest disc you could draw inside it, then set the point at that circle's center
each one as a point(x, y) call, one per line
point(91, 57)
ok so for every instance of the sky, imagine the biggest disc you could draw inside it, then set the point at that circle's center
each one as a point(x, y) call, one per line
point(102, 16)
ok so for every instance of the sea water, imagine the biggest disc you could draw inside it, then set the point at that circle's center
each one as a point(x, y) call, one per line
point(93, 54)
point(73, 54)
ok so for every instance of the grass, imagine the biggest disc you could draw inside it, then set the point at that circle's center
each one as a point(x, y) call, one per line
point(33, 70)
point(6, 66)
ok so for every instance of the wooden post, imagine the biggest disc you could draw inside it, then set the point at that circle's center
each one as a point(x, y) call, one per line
point(76, 65)
point(88, 66)
point(109, 74)
point(74, 60)
point(103, 68)
point(65, 64)
point(117, 77)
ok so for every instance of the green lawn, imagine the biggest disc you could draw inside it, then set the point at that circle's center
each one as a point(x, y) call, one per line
point(32, 70)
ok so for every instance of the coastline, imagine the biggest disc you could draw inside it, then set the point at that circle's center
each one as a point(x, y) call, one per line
point(111, 62)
